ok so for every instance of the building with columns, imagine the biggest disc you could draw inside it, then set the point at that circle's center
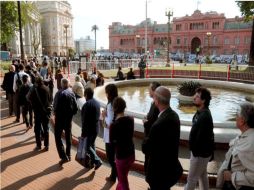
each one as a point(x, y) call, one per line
point(56, 27)
point(31, 34)
point(203, 33)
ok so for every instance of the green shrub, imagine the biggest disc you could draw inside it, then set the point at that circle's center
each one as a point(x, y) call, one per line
point(188, 88)
point(5, 65)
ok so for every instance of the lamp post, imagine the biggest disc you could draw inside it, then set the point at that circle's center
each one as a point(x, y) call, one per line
point(208, 42)
point(168, 13)
point(138, 42)
point(66, 26)
point(20, 32)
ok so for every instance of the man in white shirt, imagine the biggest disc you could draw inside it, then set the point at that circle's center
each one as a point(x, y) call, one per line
point(17, 82)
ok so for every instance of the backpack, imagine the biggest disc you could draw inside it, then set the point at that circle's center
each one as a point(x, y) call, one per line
point(18, 82)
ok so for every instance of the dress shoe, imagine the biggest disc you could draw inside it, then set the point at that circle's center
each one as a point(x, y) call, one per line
point(63, 161)
point(46, 148)
point(37, 148)
point(96, 167)
point(16, 121)
point(111, 179)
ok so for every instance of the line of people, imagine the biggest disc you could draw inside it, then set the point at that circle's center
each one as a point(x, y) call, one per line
point(161, 128)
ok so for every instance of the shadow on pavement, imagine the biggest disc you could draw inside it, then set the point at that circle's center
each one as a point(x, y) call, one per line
point(72, 182)
point(19, 144)
point(23, 182)
point(13, 160)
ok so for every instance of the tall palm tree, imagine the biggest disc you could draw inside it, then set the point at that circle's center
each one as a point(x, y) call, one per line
point(95, 28)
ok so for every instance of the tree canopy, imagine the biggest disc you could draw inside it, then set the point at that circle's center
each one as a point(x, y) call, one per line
point(9, 18)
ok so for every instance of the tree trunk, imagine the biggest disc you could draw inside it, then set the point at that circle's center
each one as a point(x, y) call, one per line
point(251, 60)
point(20, 32)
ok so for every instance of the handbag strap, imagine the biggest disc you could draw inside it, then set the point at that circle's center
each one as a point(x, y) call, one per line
point(229, 164)
point(37, 94)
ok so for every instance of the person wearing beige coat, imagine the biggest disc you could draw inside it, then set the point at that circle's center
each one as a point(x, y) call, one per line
point(242, 152)
point(78, 88)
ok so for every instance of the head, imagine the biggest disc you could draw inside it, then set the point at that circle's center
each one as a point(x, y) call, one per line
point(77, 78)
point(245, 116)
point(84, 74)
point(162, 97)
point(12, 68)
point(88, 93)
point(21, 67)
point(38, 80)
point(119, 68)
point(202, 98)
point(28, 68)
point(153, 87)
point(130, 69)
point(24, 79)
point(111, 92)
point(119, 105)
point(64, 83)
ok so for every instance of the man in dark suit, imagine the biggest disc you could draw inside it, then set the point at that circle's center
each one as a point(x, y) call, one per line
point(8, 87)
point(65, 106)
point(162, 144)
point(151, 117)
point(90, 115)
point(40, 99)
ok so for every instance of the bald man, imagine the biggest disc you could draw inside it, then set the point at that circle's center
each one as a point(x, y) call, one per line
point(161, 145)
point(8, 87)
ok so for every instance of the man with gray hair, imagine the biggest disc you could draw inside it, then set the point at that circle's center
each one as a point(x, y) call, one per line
point(240, 153)
point(162, 144)
point(65, 106)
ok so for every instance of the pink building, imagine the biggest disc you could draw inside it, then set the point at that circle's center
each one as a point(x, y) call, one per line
point(187, 34)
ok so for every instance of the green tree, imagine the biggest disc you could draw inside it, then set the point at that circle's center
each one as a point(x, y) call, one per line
point(247, 10)
point(9, 22)
point(9, 19)
point(95, 28)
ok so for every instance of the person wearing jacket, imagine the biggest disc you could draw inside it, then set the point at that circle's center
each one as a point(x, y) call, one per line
point(201, 141)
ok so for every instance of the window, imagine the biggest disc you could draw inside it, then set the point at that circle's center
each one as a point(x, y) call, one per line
point(237, 40)
point(185, 41)
point(178, 27)
point(226, 41)
point(178, 41)
point(215, 40)
point(216, 25)
point(247, 40)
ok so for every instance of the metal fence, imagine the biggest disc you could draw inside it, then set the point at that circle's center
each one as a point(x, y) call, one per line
point(156, 69)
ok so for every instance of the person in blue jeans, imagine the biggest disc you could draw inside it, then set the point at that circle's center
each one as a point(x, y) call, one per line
point(90, 115)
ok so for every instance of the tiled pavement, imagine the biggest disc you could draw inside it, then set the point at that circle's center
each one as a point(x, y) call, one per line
point(23, 168)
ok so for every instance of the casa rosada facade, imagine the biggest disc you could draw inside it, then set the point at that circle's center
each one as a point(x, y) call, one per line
point(202, 33)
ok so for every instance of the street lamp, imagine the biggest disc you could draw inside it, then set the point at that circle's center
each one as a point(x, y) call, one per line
point(138, 42)
point(208, 42)
point(66, 26)
point(168, 13)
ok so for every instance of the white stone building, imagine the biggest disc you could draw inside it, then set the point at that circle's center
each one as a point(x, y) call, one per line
point(84, 45)
point(56, 19)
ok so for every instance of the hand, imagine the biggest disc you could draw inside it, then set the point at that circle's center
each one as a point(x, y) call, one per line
point(227, 175)
point(104, 113)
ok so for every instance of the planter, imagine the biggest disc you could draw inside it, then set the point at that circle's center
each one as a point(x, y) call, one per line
point(185, 99)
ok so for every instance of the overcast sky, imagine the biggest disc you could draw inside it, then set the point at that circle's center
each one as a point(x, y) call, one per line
point(103, 12)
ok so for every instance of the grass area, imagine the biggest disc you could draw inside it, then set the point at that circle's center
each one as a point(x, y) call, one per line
point(190, 67)
point(4, 66)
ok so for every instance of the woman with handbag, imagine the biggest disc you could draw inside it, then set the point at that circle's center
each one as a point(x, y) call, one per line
point(237, 171)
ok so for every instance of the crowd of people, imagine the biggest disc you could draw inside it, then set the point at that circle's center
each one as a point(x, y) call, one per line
point(31, 89)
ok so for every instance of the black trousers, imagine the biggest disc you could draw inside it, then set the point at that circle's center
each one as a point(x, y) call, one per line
point(110, 152)
point(11, 101)
point(59, 128)
point(27, 114)
point(41, 127)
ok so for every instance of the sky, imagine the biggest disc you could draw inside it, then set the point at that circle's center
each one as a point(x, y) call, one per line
point(87, 13)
